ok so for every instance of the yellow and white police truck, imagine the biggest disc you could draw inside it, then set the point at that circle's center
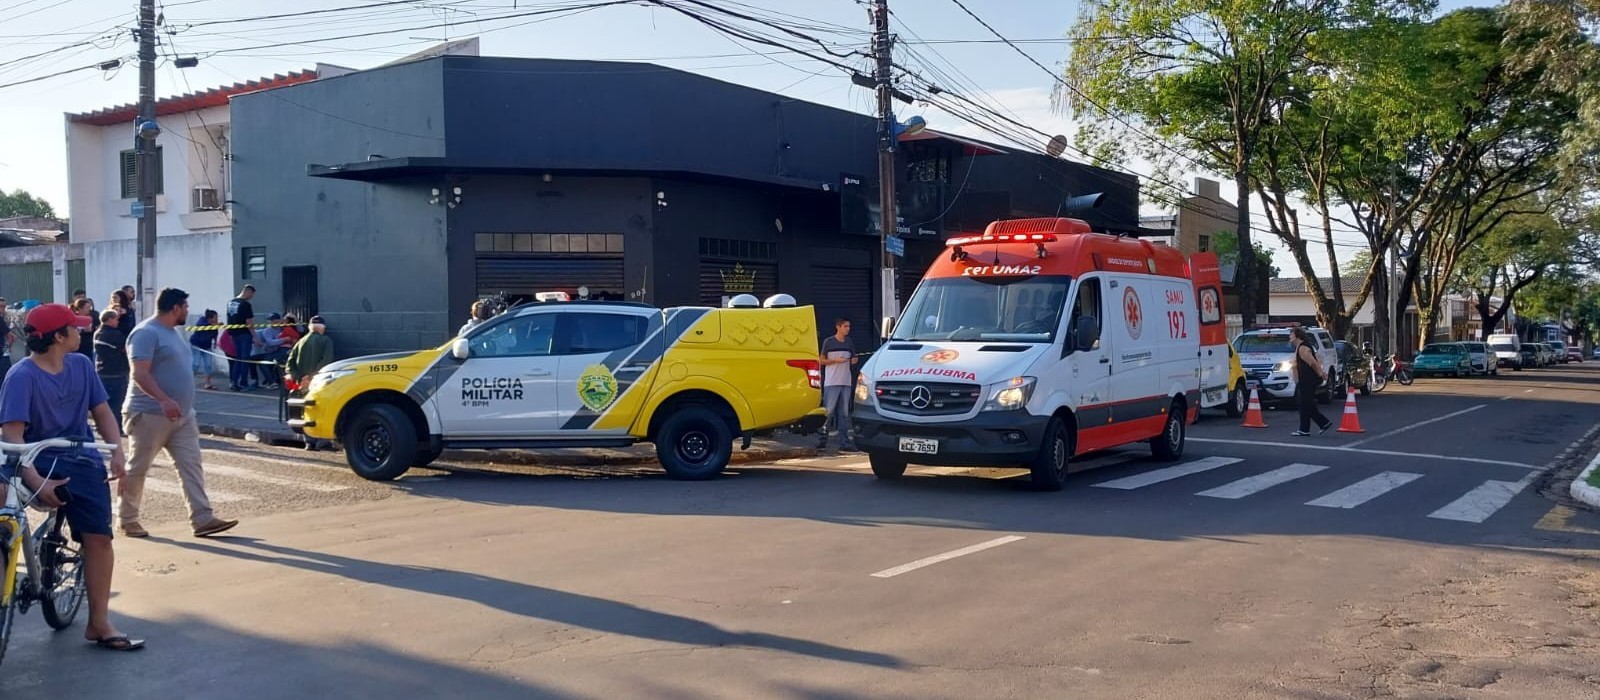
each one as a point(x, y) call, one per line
point(577, 374)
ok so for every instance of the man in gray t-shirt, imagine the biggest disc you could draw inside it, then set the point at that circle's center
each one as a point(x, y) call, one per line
point(159, 414)
point(838, 355)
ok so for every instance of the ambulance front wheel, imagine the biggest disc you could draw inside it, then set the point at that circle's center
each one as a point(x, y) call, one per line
point(887, 467)
point(380, 443)
point(1048, 470)
point(694, 444)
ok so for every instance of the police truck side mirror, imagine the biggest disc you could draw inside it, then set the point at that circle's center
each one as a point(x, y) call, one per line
point(1086, 333)
point(459, 349)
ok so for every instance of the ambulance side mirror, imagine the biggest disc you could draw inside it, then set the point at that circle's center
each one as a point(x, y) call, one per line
point(460, 350)
point(1085, 333)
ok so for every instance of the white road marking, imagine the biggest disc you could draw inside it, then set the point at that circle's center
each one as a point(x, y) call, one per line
point(253, 475)
point(161, 485)
point(213, 455)
point(1388, 453)
point(1481, 502)
point(1168, 474)
point(1365, 490)
point(929, 561)
point(1414, 426)
point(1261, 482)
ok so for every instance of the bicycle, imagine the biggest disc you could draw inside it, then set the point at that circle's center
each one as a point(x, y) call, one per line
point(54, 573)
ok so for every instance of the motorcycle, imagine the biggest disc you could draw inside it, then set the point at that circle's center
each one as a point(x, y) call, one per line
point(1392, 368)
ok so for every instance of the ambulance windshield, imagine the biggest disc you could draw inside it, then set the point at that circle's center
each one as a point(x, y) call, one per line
point(1009, 309)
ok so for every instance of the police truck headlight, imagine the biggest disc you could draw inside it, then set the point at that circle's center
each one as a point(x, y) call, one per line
point(1010, 395)
point(321, 379)
point(863, 391)
point(1285, 365)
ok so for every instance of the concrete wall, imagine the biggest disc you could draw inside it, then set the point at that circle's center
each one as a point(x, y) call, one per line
point(1297, 305)
point(380, 249)
point(198, 263)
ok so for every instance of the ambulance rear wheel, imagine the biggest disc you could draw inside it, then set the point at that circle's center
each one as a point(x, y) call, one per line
point(1048, 470)
point(1168, 446)
point(694, 444)
point(1238, 400)
point(886, 467)
point(380, 443)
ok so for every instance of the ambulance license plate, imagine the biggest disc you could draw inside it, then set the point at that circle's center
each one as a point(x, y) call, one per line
point(919, 446)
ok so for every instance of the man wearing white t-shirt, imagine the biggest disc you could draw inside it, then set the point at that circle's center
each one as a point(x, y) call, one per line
point(838, 355)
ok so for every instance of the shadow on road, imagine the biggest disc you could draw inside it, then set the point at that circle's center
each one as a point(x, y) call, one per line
point(571, 609)
point(193, 657)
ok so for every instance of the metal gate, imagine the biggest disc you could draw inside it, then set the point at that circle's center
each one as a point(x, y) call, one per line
point(300, 292)
point(27, 281)
point(524, 276)
point(845, 292)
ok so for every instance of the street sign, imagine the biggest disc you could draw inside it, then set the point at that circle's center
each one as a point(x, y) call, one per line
point(896, 246)
point(137, 209)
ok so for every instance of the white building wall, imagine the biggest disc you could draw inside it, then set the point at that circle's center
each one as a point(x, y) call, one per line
point(200, 264)
point(1303, 305)
point(193, 147)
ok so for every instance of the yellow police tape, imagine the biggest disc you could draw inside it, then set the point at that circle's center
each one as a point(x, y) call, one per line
point(240, 326)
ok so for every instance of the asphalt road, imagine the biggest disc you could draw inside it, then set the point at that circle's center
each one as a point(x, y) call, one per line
point(1420, 558)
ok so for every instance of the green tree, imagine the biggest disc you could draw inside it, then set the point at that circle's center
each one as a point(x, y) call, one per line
point(20, 203)
point(1515, 255)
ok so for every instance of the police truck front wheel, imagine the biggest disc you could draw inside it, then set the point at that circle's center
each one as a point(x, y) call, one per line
point(380, 443)
point(1048, 470)
point(694, 444)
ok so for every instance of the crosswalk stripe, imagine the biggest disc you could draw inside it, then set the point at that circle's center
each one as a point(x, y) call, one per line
point(161, 485)
point(253, 475)
point(213, 455)
point(1168, 474)
point(1365, 490)
point(1481, 502)
point(1261, 482)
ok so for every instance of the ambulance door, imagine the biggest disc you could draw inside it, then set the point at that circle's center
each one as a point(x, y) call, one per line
point(1087, 372)
point(604, 353)
point(506, 387)
point(1136, 336)
point(1215, 354)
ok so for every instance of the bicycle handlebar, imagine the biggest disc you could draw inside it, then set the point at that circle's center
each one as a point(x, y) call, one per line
point(29, 451)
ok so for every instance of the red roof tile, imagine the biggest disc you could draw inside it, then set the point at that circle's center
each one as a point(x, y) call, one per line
point(188, 102)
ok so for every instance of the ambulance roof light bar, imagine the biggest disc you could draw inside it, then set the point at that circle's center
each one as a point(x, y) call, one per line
point(1001, 238)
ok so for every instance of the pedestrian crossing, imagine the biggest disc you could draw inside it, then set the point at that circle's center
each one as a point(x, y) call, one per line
point(230, 483)
point(1480, 501)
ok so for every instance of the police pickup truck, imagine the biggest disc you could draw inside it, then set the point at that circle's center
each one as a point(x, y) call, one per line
point(577, 374)
point(1268, 362)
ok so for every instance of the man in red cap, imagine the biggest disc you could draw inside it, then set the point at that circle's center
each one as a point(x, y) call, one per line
point(50, 394)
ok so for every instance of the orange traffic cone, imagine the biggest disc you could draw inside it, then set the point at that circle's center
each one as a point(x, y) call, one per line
point(1351, 422)
point(1252, 415)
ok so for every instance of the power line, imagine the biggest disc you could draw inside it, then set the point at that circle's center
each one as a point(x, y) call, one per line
point(55, 74)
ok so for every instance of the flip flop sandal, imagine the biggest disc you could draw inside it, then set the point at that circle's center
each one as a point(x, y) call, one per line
point(120, 643)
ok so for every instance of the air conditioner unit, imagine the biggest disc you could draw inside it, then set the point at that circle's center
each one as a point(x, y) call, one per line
point(205, 199)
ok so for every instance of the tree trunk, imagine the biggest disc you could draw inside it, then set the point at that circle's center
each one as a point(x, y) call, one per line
point(1244, 276)
point(1380, 305)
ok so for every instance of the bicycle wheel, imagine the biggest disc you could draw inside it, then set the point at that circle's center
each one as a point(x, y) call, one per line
point(60, 573)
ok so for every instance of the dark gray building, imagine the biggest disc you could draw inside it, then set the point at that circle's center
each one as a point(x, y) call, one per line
point(388, 200)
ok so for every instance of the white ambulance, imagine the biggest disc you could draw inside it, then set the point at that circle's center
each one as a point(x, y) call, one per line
point(1039, 341)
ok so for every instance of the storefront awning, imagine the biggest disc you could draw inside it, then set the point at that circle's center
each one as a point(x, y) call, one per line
point(969, 147)
point(381, 169)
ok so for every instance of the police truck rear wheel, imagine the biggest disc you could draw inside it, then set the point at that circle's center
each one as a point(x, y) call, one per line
point(694, 444)
point(886, 467)
point(1168, 446)
point(380, 443)
point(1238, 400)
point(1048, 470)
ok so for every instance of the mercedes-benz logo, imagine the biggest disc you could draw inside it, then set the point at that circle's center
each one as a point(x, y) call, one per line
point(920, 397)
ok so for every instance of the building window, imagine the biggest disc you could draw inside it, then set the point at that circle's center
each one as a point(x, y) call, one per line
point(730, 249)
point(583, 243)
point(130, 174)
point(253, 262)
point(1205, 244)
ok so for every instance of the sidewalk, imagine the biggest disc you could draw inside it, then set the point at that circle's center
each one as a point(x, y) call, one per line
point(253, 416)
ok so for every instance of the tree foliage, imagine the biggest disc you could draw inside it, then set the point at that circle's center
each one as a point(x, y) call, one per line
point(20, 203)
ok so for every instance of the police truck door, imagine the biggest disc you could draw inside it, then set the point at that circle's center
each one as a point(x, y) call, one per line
point(603, 355)
point(506, 388)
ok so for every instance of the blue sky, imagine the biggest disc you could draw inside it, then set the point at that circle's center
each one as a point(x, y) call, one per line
point(32, 142)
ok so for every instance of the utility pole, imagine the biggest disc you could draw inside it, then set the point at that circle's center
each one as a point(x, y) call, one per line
point(146, 159)
point(882, 47)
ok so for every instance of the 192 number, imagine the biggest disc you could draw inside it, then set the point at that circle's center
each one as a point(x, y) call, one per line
point(1177, 324)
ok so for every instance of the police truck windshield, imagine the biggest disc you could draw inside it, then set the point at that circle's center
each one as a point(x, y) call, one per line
point(1009, 309)
point(1272, 344)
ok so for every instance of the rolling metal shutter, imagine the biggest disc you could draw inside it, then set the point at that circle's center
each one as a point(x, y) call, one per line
point(528, 274)
point(847, 292)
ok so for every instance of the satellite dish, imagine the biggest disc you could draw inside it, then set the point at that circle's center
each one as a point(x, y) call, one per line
point(1057, 145)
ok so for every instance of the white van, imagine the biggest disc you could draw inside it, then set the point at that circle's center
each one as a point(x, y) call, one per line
point(1507, 349)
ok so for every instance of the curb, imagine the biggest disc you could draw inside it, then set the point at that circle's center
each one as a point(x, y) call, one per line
point(1582, 491)
point(285, 438)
